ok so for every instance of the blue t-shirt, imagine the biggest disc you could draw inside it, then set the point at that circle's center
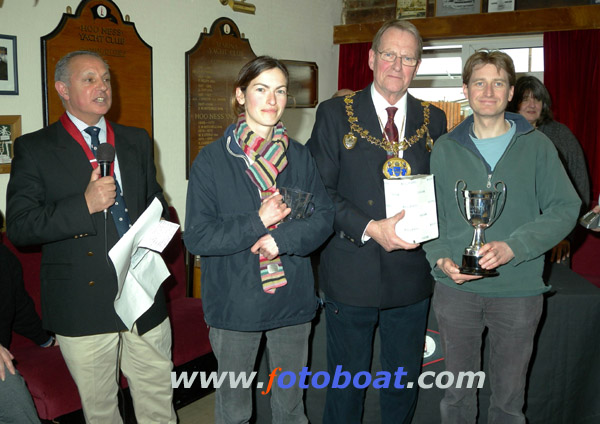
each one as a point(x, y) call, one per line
point(493, 148)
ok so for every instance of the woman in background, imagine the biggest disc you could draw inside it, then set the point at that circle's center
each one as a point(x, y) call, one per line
point(256, 272)
point(532, 100)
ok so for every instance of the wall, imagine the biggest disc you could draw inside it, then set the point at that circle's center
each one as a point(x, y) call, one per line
point(300, 30)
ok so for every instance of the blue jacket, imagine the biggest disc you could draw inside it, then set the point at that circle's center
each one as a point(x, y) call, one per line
point(541, 206)
point(222, 224)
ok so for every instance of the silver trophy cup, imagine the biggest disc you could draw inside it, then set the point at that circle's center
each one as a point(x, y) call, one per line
point(480, 209)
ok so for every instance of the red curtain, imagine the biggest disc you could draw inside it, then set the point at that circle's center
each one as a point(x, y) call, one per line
point(353, 70)
point(572, 76)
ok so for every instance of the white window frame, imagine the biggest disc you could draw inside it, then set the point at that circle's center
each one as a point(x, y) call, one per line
point(470, 46)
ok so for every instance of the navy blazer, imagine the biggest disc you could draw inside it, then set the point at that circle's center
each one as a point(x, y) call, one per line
point(352, 272)
point(46, 206)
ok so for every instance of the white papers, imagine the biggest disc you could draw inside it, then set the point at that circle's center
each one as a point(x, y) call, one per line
point(140, 269)
point(416, 195)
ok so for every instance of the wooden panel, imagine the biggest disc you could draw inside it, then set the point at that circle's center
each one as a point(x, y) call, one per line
point(303, 83)
point(98, 25)
point(452, 110)
point(504, 23)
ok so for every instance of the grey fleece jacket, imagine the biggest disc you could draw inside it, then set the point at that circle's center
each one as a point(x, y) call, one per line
point(541, 206)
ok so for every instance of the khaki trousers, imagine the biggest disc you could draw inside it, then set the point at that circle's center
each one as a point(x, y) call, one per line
point(146, 363)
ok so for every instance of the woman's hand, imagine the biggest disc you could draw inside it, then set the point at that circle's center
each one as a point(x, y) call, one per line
point(273, 210)
point(266, 246)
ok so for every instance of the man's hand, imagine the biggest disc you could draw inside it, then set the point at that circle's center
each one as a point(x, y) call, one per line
point(494, 254)
point(100, 193)
point(384, 233)
point(449, 268)
point(561, 251)
point(6, 360)
point(266, 246)
point(272, 210)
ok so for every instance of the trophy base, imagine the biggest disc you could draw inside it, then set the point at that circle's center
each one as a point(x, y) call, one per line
point(470, 266)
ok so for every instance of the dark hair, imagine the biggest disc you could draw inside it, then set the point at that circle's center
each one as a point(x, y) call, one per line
point(403, 26)
point(62, 71)
point(252, 70)
point(485, 57)
point(532, 86)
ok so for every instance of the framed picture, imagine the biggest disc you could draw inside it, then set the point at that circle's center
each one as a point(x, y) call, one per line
point(8, 65)
point(501, 5)
point(457, 7)
point(411, 9)
point(10, 129)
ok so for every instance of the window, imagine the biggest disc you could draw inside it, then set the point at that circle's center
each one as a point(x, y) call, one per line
point(440, 74)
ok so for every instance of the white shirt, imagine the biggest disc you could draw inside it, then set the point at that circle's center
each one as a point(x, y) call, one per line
point(382, 104)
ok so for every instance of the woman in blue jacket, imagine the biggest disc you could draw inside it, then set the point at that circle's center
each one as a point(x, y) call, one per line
point(256, 273)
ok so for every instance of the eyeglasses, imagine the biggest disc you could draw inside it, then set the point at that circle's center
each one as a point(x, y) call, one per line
point(391, 57)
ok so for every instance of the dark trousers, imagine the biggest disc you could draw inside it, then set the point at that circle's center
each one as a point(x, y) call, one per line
point(287, 349)
point(350, 332)
point(511, 323)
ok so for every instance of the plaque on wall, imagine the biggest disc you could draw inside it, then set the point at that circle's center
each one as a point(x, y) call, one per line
point(98, 26)
point(302, 88)
point(212, 66)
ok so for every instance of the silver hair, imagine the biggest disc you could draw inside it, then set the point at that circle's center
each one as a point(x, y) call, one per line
point(62, 72)
point(403, 26)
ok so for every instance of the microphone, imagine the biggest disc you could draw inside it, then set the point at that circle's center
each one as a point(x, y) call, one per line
point(105, 155)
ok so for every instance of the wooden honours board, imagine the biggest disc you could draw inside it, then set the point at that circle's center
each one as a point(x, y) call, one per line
point(98, 25)
point(212, 66)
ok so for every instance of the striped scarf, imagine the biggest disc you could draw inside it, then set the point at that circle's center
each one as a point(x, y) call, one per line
point(268, 159)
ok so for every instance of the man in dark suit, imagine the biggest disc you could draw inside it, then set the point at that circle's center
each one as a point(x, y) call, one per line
point(369, 275)
point(56, 197)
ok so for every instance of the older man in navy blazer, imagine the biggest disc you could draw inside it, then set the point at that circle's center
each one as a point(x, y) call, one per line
point(57, 197)
point(369, 275)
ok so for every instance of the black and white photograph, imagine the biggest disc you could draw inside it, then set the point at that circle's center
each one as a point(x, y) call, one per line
point(8, 65)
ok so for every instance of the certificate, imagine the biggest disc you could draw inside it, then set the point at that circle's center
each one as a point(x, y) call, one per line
point(415, 195)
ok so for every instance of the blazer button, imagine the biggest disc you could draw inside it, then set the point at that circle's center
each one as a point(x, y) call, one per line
point(90, 253)
point(76, 237)
point(370, 202)
point(91, 283)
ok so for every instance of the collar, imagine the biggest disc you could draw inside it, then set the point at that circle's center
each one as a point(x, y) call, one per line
point(85, 143)
point(381, 104)
point(81, 126)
